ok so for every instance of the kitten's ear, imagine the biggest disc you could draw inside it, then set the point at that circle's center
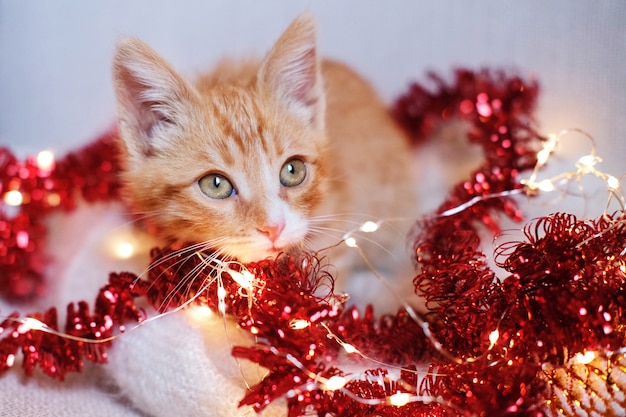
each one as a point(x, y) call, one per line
point(151, 96)
point(291, 71)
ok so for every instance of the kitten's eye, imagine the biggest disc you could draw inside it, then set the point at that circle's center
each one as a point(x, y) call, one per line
point(216, 186)
point(292, 173)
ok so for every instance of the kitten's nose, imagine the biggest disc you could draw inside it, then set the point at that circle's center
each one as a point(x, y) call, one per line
point(272, 230)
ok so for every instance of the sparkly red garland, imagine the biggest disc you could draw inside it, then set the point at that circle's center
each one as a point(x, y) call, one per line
point(90, 173)
point(564, 294)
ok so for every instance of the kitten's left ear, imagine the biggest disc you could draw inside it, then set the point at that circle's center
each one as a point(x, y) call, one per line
point(291, 71)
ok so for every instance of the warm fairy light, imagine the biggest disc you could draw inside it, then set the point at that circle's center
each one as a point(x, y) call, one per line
point(545, 185)
point(45, 160)
point(584, 166)
point(124, 250)
point(369, 227)
point(244, 278)
point(10, 360)
point(399, 399)
point(587, 162)
point(33, 324)
point(349, 348)
point(548, 147)
point(338, 382)
point(612, 183)
point(297, 324)
point(493, 338)
point(53, 199)
point(585, 358)
point(202, 311)
point(221, 298)
point(350, 242)
point(542, 156)
point(13, 198)
point(334, 383)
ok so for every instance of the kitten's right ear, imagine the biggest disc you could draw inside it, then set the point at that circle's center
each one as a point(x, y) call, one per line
point(151, 97)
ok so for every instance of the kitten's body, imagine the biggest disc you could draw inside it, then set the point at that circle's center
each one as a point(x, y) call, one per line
point(246, 122)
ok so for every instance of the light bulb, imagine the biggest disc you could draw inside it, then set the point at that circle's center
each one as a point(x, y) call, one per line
point(45, 160)
point(13, 198)
point(334, 383)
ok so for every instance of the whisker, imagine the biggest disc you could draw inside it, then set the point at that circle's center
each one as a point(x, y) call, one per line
point(185, 254)
point(192, 248)
point(189, 278)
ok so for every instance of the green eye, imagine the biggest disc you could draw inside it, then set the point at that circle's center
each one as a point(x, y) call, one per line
point(216, 186)
point(292, 173)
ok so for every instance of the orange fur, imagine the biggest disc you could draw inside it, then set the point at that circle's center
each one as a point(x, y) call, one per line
point(244, 121)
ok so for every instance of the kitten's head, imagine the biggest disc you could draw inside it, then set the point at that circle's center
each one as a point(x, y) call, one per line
point(238, 163)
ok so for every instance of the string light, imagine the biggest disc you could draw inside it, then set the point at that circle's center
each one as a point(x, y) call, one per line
point(246, 280)
point(124, 250)
point(30, 323)
point(297, 324)
point(585, 358)
point(586, 165)
point(612, 182)
point(365, 227)
point(351, 242)
point(399, 399)
point(545, 185)
point(27, 324)
point(221, 297)
point(340, 383)
point(349, 348)
point(493, 338)
point(334, 383)
point(13, 198)
point(369, 227)
point(45, 161)
point(53, 199)
point(202, 312)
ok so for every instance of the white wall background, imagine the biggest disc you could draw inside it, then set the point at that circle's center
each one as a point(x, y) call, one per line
point(56, 93)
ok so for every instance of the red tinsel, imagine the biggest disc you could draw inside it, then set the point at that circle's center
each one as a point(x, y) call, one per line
point(90, 173)
point(498, 340)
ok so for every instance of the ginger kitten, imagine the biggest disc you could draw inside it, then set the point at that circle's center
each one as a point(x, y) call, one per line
point(262, 157)
point(253, 159)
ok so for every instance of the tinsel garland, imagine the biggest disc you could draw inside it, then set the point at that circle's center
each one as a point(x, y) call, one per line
point(545, 340)
point(41, 189)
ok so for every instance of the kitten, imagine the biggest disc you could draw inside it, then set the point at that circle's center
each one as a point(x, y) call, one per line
point(260, 157)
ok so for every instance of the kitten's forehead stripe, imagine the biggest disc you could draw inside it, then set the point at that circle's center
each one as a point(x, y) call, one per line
point(241, 122)
point(226, 122)
point(260, 129)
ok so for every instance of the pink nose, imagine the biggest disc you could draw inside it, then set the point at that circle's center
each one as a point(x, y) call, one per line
point(272, 230)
